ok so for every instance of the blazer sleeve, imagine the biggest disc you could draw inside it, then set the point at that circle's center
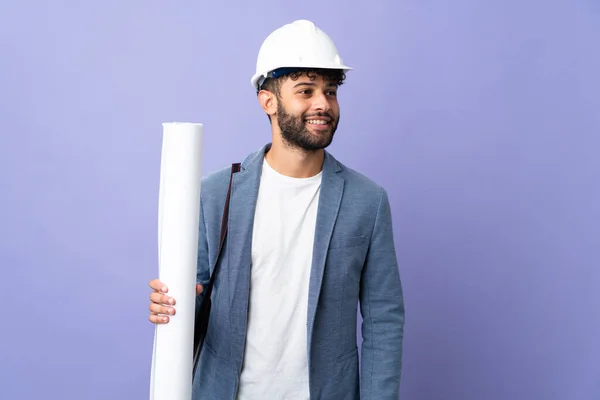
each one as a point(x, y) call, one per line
point(382, 309)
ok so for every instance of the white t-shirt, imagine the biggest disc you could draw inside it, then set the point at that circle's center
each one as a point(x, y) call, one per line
point(275, 360)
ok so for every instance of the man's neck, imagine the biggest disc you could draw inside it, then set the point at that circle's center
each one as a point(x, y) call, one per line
point(294, 162)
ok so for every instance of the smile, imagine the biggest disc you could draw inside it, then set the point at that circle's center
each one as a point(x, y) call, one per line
point(316, 122)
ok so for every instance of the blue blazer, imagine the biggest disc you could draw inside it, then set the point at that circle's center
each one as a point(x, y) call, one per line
point(354, 262)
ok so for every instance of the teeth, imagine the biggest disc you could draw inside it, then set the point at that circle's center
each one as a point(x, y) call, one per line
point(317, 122)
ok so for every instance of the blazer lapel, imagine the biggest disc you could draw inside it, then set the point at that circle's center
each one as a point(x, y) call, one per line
point(244, 194)
point(329, 204)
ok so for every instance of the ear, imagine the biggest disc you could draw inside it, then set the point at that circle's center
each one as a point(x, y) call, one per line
point(268, 102)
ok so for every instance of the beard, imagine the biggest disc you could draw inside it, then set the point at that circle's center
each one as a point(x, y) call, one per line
point(296, 133)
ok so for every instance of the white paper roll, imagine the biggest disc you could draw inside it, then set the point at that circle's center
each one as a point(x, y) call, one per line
point(178, 219)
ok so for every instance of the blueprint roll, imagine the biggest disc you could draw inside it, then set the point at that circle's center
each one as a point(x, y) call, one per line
point(178, 221)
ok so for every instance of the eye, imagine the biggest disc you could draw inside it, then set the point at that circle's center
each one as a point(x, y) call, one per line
point(332, 93)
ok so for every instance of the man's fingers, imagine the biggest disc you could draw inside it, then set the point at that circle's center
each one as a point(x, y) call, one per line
point(158, 298)
point(158, 309)
point(158, 286)
point(161, 305)
point(158, 319)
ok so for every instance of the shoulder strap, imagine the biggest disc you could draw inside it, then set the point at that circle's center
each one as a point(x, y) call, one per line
point(224, 226)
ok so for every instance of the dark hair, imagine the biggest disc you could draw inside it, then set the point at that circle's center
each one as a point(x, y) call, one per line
point(336, 76)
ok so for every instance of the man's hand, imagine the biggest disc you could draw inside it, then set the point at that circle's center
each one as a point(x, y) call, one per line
point(161, 305)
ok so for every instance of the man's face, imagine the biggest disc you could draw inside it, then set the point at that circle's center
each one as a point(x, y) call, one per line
point(308, 112)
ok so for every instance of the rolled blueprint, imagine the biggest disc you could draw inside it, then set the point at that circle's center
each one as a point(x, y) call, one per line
point(178, 220)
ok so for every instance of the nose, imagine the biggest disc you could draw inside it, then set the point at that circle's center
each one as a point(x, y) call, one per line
point(320, 102)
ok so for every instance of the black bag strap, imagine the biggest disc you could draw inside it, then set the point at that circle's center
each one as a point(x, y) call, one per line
point(224, 226)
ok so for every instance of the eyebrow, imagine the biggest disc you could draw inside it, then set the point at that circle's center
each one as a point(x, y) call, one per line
point(313, 84)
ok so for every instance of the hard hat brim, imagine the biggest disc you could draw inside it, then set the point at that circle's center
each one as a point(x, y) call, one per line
point(257, 77)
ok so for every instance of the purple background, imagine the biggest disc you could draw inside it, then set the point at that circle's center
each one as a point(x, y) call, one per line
point(481, 118)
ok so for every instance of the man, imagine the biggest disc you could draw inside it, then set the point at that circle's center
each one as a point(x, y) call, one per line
point(308, 240)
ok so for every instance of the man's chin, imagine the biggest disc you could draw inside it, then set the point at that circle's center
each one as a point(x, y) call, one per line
point(310, 141)
point(321, 144)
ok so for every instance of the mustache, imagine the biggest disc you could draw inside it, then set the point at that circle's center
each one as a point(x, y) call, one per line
point(319, 114)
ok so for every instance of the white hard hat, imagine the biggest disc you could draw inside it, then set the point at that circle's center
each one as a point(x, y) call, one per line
point(299, 44)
